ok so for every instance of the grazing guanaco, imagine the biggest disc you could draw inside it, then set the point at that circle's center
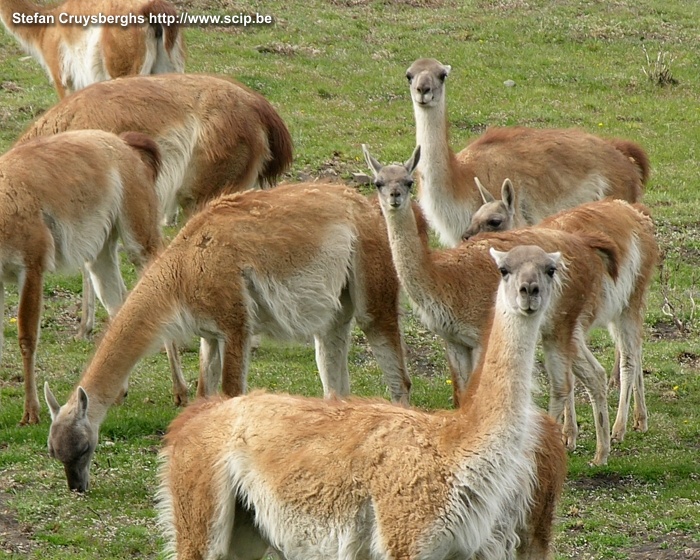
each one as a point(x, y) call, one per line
point(293, 262)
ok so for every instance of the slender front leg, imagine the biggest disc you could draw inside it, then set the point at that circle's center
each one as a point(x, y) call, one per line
point(593, 376)
point(628, 337)
point(570, 428)
point(211, 363)
point(460, 360)
point(29, 315)
point(179, 383)
point(614, 381)
point(107, 277)
point(332, 356)
point(561, 387)
point(236, 353)
point(87, 313)
point(384, 337)
point(55, 71)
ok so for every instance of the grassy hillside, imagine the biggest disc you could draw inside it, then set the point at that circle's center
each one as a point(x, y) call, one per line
point(335, 71)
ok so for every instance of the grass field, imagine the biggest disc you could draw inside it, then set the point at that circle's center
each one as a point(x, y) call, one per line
point(335, 69)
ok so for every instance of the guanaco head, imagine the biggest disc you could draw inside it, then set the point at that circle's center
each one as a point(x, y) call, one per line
point(527, 278)
point(393, 182)
point(426, 77)
point(493, 215)
point(72, 437)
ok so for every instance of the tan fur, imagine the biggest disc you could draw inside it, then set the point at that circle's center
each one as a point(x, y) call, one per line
point(550, 456)
point(215, 135)
point(632, 230)
point(552, 169)
point(75, 56)
point(365, 479)
point(66, 200)
point(69, 56)
point(297, 261)
point(625, 225)
point(452, 291)
point(237, 138)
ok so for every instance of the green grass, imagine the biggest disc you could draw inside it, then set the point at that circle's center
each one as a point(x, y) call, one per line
point(335, 71)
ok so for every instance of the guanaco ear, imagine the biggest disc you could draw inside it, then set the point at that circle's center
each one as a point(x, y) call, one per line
point(556, 257)
point(508, 196)
point(51, 401)
point(412, 162)
point(486, 196)
point(498, 256)
point(83, 402)
point(372, 163)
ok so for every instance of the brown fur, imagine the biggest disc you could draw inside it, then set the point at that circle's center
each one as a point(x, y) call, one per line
point(146, 148)
point(552, 169)
point(509, 152)
point(584, 272)
point(57, 191)
point(122, 51)
point(452, 292)
point(190, 411)
point(242, 140)
point(631, 221)
point(551, 473)
point(619, 223)
point(299, 260)
point(350, 465)
point(636, 154)
point(215, 135)
point(550, 458)
point(630, 227)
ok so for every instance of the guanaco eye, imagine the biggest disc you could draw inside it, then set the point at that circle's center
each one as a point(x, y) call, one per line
point(443, 76)
point(550, 271)
point(504, 271)
point(409, 183)
point(379, 184)
point(409, 77)
point(495, 222)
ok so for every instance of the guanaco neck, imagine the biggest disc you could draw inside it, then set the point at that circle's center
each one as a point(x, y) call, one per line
point(500, 389)
point(28, 35)
point(130, 336)
point(438, 193)
point(436, 155)
point(412, 257)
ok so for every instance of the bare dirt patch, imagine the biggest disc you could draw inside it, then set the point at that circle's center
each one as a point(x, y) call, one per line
point(666, 330)
point(670, 547)
point(689, 359)
point(13, 537)
point(287, 49)
point(598, 480)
